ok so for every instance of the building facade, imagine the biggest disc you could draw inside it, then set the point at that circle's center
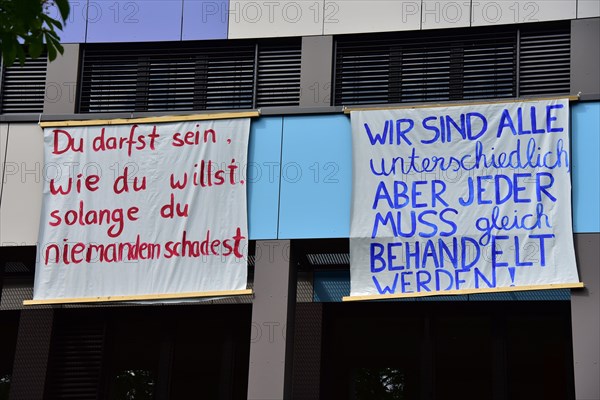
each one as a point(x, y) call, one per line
point(302, 64)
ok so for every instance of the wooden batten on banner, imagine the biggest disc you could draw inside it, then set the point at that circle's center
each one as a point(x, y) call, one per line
point(465, 291)
point(349, 109)
point(146, 120)
point(143, 297)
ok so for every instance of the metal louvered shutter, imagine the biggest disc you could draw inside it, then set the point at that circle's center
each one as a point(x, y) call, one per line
point(75, 362)
point(478, 63)
point(489, 67)
point(424, 72)
point(278, 76)
point(400, 68)
point(363, 71)
point(180, 77)
point(545, 60)
point(24, 87)
point(230, 77)
point(191, 76)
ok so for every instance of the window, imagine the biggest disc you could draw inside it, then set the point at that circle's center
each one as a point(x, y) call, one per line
point(23, 87)
point(125, 352)
point(190, 76)
point(447, 350)
point(9, 320)
point(451, 65)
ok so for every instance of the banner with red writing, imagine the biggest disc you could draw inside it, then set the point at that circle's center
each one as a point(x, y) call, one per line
point(143, 209)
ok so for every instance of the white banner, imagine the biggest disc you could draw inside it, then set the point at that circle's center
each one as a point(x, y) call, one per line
point(143, 209)
point(464, 198)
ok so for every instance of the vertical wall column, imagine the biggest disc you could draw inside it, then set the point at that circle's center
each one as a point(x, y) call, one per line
point(269, 376)
point(31, 355)
point(585, 318)
point(585, 58)
point(61, 82)
point(316, 67)
point(585, 303)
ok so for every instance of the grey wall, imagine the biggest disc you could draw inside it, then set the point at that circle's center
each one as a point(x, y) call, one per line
point(585, 58)
point(316, 67)
point(585, 318)
point(61, 82)
point(269, 376)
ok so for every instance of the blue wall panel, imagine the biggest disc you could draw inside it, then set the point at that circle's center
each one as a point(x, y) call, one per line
point(264, 157)
point(316, 177)
point(134, 21)
point(585, 151)
point(205, 19)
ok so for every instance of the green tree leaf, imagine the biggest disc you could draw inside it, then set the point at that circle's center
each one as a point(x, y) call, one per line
point(36, 46)
point(27, 30)
point(63, 8)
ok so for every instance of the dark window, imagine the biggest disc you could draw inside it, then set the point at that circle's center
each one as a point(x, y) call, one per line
point(545, 60)
point(143, 353)
point(23, 87)
point(76, 355)
point(463, 351)
point(447, 350)
point(537, 349)
point(478, 63)
point(190, 76)
point(179, 352)
point(278, 74)
point(9, 321)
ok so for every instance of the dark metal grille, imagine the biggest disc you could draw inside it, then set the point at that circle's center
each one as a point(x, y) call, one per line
point(75, 364)
point(189, 76)
point(488, 67)
point(452, 65)
point(278, 78)
point(24, 87)
point(545, 61)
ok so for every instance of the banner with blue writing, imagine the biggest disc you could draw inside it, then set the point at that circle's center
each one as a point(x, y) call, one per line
point(461, 199)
